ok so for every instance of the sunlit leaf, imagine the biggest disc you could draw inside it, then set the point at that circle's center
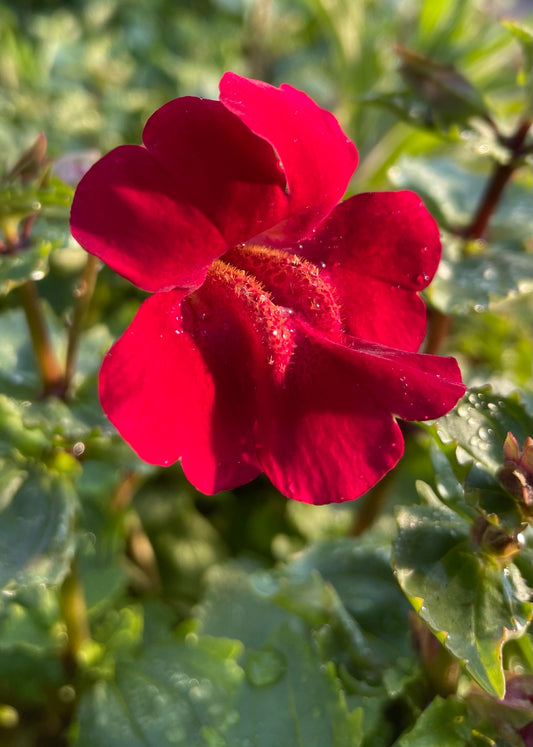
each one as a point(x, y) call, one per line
point(466, 598)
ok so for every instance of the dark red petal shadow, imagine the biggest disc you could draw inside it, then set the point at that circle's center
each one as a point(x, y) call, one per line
point(317, 157)
point(126, 212)
point(219, 165)
point(157, 389)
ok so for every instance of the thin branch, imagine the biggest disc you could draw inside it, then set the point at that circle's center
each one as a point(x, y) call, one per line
point(84, 294)
point(49, 366)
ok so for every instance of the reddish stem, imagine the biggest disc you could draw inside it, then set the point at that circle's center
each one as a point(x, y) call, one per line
point(495, 187)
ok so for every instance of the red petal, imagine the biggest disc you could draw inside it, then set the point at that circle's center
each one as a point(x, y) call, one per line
point(376, 311)
point(157, 388)
point(410, 385)
point(126, 212)
point(217, 164)
point(317, 157)
point(388, 236)
point(377, 250)
point(323, 439)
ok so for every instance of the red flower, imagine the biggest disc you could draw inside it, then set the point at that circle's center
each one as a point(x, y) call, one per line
point(282, 332)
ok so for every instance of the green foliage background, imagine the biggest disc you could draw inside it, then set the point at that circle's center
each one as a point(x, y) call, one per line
point(135, 611)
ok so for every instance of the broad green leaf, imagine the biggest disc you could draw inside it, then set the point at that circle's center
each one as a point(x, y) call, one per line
point(466, 598)
point(169, 694)
point(288, 678)
point(443, 722)
point(36, 534)
point(479, 424)
point(365, 583)
point(28, 264)
point(263, 601)
point(469, 281)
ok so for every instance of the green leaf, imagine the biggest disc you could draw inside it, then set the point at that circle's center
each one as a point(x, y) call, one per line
point(28, 264)
point(525, 38)
point(480, 423)
point(36, 515)
point(471, 603)
point(31, 639)
point(469, 281)
point(19, 376)
point(445, 722)
point(365, 583)
point(288, 678)
point(170, 694)
point(452, 194)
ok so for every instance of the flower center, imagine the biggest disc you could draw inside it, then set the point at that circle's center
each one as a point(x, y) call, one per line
point(292, 283)
point(252, 300)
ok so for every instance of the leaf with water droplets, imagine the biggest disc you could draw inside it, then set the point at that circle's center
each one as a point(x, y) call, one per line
point(302, 705)
point(473, 275)
point(27, 264)
point(479, 425)
point(167, 695)
point(466, 598)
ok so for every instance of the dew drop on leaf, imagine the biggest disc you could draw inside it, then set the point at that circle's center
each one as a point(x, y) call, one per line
point(265, 667)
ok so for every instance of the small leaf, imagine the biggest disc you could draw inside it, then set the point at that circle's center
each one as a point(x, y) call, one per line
point(525, 38)
point(28, 264)
point(444, 722)
point(471, 603)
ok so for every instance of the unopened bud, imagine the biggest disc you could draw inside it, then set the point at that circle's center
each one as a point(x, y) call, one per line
point(441, 86)
point(32, 163)
point(516, 474)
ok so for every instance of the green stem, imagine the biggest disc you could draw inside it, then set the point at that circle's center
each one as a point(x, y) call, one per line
point(84, 294)
point(74, 613)
point(49, 367)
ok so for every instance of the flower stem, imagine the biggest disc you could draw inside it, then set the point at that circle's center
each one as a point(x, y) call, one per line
point(439, 323)
point(74, 613)
point(495, 187)
point(84, 294)
point(49, 367)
